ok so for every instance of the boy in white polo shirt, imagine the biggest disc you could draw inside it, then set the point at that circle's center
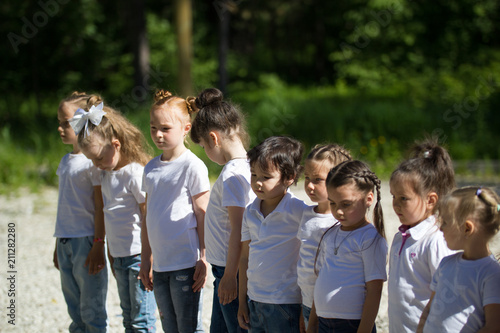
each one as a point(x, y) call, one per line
point(270, 248)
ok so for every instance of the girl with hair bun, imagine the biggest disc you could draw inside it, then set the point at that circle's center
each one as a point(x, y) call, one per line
point(119, 150)
point(417, 185)
point(219, 129)
point(79, 254)
point(173, 243)
point(466, 286)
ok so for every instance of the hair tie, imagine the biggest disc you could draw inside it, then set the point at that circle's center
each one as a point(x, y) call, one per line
point(82, 118)
point(427, 154)
point(478, 192)
point(189, 107)
point(498, 208)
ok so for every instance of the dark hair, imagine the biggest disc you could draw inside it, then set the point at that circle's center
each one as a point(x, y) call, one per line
point(333, 153)
point(281, 152)
point(479, 204)
point(429, 169)
point(359, 173)
point(214, 113)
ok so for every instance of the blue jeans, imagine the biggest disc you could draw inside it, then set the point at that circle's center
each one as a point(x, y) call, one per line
point(306, 312)
point(274, 318)
point(138, 305)
point(224, 317)
point(180, 307)
point(331, 325)
point(85, 294)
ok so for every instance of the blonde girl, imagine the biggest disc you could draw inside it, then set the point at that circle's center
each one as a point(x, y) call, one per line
point(177, 192)
point(79, 253)
point(317, 219)
point(119, 150)
point(220, 129)
point(416, 186)
point(466, 286)
point(352, 255)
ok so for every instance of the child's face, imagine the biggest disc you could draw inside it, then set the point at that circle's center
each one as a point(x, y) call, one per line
point(104, 155)
point(408, 205)
point(452, 233)
point(315, 173)
point(349, 205)
point(268, 185)
point(65, 113)
point(167, 131)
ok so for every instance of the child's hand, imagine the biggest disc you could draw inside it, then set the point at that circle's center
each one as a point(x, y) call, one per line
point(200, 275)
point(228, 290)
point(146, 274)
point(96, 259)
point(243, 318)
point(55, 260)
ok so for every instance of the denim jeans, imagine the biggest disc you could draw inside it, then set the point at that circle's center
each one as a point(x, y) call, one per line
point(331, 325)
point(138, 305)
point(179, 306)
point(306, 312)
point(85, 294)
point(274, 318)
point(224, 317)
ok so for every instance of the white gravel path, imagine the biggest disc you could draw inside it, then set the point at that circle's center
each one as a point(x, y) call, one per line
point(39, 303)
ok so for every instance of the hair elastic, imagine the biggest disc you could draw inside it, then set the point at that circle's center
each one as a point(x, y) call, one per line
point(479, 190)
point(498, 208)
point(427, 154)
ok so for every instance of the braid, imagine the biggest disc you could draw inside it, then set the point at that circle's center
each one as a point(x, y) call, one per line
point(319, 246)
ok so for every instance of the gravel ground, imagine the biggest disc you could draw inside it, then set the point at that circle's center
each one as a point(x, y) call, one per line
point(39, 303)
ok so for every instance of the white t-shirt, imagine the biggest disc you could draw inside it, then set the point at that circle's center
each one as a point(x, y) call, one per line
point(170, 218)
point(410, 274)
point(312, 227)
point(274, 251)
point(75, 206)
point(232, 188)
point(122, 194)
point(341, 285)
point(463, 288)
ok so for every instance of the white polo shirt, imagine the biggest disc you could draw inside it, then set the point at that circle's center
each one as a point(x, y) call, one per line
point(274, 251)
point(312, 228)
point(232, 189)
point(122, 194)
point(410, 273)
point(463, 288)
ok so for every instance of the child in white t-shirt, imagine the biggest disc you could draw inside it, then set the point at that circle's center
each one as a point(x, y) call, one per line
point(466, 286)
point(270, 249)
point(177, 192)
point(119, 149)
point(219, 129)
point(79, 253)
point(317, 219)
point(352, 256)
point(416, 185)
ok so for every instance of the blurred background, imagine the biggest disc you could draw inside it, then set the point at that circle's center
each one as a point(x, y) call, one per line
point(371, 75)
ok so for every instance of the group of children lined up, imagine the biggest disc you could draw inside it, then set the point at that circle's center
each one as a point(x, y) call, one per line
point(279, 265)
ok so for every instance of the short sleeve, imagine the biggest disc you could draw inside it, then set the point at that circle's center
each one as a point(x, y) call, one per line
point(491, 288)
point(375, 258)
point(437, 251)
point(136, 184)
point(95, 175)
point(197, 179)
point(245, 231)
point(235, 191)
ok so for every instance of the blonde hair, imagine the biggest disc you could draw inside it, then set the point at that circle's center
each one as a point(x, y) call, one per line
point(115, 126)
point(333, 153)
point(77, 98)
point(476, 203)
point(164, 99)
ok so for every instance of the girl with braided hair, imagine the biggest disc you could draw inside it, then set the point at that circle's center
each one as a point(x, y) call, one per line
point(352, 254)
point(177, 192)
point(465, 288)
point(316, 219)
point(416, 186)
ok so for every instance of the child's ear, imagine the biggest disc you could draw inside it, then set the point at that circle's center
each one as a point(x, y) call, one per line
point(214, 138)
point(369, 199)
point(469, 228)
point(432, 199)
point(187, 128)
point(116, 143)
point(289, 182)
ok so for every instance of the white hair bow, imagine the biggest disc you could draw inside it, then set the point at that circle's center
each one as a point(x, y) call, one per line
point(82, 118)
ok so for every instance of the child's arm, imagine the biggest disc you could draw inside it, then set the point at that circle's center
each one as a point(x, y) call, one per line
point(146, 271)
point(243, 315)
point(54, 259)
point(96, 258)
point(200, 203)
point(371, 305)
point(313, 325)
point(492, 319)
point(425, 313)
point(228, 287)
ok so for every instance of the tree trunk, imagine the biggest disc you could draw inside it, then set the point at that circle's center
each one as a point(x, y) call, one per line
point(184, 23)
